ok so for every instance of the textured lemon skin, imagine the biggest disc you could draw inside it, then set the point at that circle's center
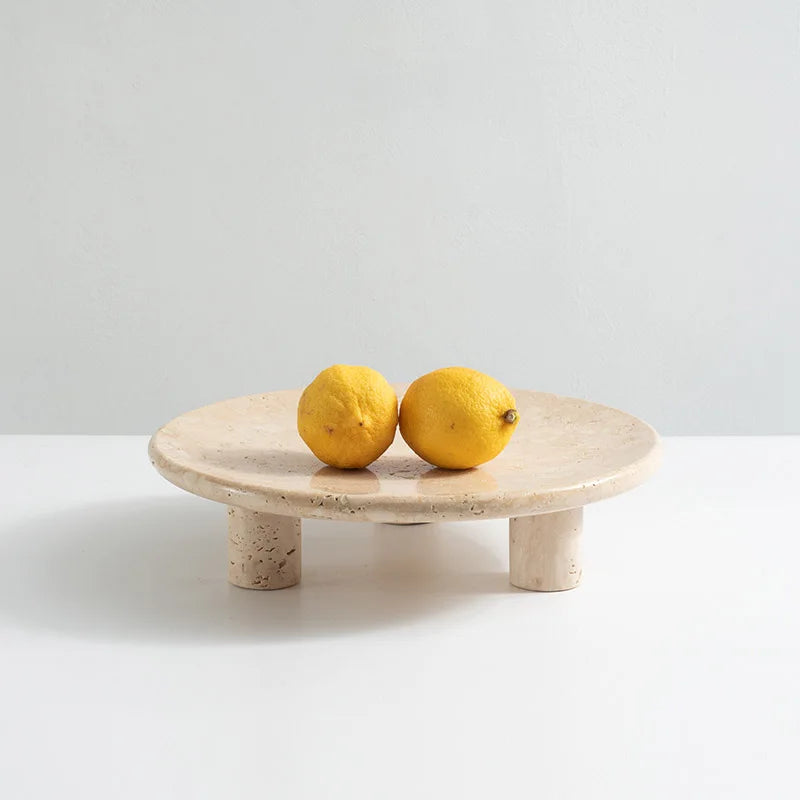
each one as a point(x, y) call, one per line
point(455, 418)
point(347, 416)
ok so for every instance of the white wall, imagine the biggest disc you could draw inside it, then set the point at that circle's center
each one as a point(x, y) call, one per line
point(207, 199)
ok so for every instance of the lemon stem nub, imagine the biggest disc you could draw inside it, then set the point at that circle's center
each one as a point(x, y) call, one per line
point(510, 416)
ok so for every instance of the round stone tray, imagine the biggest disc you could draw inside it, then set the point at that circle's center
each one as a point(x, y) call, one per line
point(246, 453)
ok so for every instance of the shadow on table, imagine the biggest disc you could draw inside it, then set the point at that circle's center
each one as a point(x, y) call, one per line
point(154, 569)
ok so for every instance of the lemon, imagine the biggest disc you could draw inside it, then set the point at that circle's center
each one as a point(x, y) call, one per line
point(457, 418)
point(347, 416)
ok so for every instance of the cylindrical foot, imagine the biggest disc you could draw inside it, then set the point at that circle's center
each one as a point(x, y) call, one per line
point(263, 549)
point(545, 550)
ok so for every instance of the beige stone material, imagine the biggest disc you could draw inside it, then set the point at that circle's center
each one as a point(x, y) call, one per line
point(545, 550)
point(263, 549)
point(246, 453)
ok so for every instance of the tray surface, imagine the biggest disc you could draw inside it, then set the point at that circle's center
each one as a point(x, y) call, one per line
point(247, 452)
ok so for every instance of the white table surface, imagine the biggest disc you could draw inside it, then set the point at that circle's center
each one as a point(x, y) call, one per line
point(404, 665)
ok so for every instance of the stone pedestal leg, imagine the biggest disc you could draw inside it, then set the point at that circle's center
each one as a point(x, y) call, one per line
point(545, 553)
point(263, 549)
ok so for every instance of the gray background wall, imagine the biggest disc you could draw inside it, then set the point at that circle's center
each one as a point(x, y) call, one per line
point(206, 199)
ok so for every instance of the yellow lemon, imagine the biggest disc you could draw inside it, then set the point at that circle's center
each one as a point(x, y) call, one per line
point(347, 416)
point(457, 418)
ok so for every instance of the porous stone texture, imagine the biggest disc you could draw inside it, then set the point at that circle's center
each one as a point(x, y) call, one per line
point(264, 550)
point(247, 452)
point(545, 551)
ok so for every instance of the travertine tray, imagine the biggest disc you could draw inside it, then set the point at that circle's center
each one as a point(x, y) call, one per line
point(247, 454)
